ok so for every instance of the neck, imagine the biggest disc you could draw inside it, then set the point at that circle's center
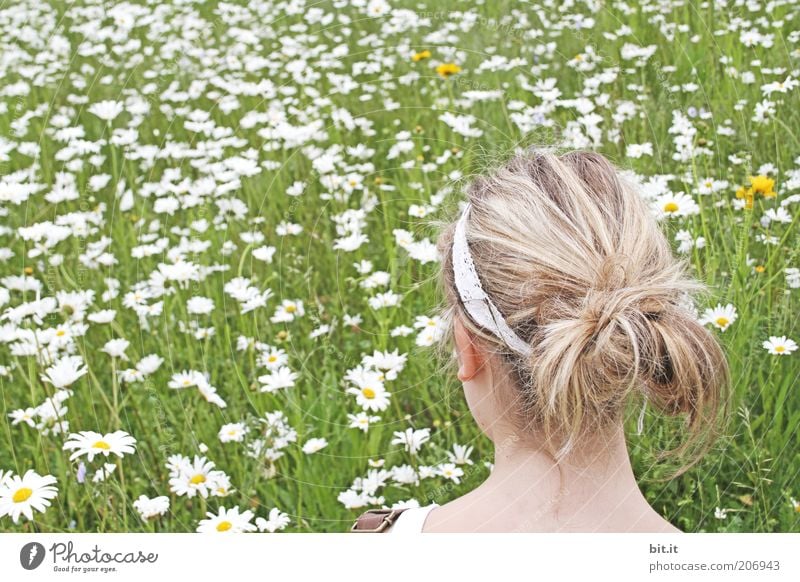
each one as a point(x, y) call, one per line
point(593, 489)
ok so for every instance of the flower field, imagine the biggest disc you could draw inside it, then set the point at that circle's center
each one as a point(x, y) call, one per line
point(218, 292)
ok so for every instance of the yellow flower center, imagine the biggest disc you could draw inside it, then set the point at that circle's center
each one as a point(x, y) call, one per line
point(273, 358)
point(61, 333)
point(22, 494)
point(722, 321)
point(368, 393)
point(187, 382)
point(102, 445)
point(760, 268)
point(291, 309)
point(670, 207)
point(780, 348)
point(197, 479)
point(224, 526)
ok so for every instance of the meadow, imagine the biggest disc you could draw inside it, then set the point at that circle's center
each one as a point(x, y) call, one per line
point(218, 293)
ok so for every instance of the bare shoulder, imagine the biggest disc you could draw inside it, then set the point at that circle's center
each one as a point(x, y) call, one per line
point(470, 513)
point(651, 522)
point(666, 527)
point(459, 515)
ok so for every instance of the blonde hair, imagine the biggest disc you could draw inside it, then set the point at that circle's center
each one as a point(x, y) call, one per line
point(574, 260)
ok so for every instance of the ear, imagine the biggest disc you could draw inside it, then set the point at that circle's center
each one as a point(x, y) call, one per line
point(470, 357)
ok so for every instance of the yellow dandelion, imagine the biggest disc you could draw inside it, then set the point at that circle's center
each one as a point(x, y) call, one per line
point(417, 57)
point(448, 69)
point(763, 185)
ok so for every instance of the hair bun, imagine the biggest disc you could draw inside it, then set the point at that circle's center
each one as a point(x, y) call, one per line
point(614, 271)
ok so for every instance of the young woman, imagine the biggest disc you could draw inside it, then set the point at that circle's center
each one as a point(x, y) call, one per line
point(566, 304)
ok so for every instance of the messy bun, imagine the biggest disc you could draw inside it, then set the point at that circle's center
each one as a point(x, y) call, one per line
point(577, 264)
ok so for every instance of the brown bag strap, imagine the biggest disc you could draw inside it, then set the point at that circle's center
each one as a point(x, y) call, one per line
point(376, 520)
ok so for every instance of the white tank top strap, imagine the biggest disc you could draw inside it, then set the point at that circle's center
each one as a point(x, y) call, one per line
point(412, 520)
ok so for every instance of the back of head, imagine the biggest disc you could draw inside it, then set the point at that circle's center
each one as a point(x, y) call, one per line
point(577, 265)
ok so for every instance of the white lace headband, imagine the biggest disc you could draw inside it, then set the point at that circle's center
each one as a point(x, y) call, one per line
point(474, 298)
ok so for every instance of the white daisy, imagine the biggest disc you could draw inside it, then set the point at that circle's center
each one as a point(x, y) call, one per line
point(272, 357)
point(720, 316)
point(283, 377)
point(149, 364)
point(405, 475)
point(116, 348)
point(412, 440)
point(288, 311)
point(382, 300)
point(194, 477)
point(431, 330)
point(184, 379)
point(233, 432)
point(92, 443)
point(450, 471)
point(26, 415)
point(150, 508)
point(21, 495)
point(361, 420)
point(209, 392)
point(460, 454)
point(104, 316)
point(637, 150)
point(130, 375)
point(313, 445)
point(106, 110)
point(65, 372)
point(391, 363)
point(276, 522)
point(779, 346)
point(103, 472)
point(401, 331)
point(679, 204)
point(227, 521)
point(264, 253)
point(371, 395)
point(200, 305)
